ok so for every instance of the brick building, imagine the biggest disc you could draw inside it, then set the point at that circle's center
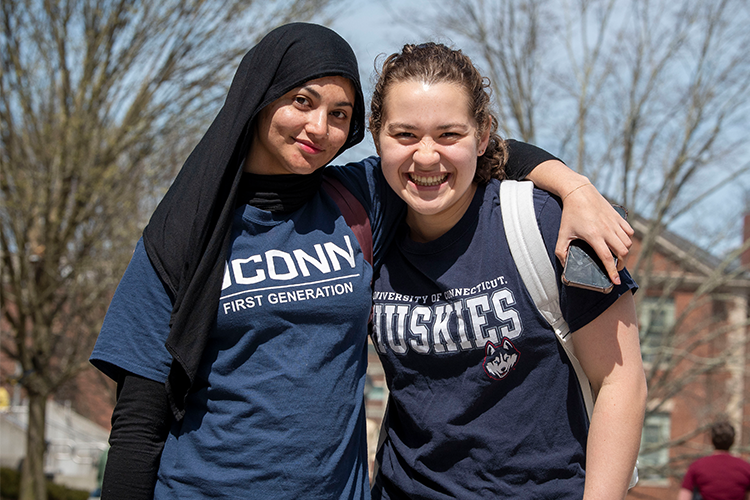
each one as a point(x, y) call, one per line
point(693, 313)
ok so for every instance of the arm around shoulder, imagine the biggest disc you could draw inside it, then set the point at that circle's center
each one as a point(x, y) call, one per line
point(586, 215)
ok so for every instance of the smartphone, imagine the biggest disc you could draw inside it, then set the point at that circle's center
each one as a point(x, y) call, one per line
point(583, 269)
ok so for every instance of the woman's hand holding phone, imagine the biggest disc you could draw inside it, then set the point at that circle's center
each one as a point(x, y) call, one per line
point(584, 269)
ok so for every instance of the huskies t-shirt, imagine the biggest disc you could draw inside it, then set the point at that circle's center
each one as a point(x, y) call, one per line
point(277, 409)
point(483, 401)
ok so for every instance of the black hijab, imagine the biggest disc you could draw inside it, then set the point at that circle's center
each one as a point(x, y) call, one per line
point(188, 235)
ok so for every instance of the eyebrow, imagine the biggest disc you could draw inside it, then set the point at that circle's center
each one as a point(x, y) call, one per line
point(316, 95)
point(408, 126)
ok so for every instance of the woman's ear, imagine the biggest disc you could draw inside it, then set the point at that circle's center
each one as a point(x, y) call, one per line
point(484, 138)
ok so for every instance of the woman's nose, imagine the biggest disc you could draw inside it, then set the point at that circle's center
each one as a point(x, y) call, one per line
point(317, 125)
point(426, 154)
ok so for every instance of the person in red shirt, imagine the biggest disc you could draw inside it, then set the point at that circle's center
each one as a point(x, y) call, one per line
point(719, 476)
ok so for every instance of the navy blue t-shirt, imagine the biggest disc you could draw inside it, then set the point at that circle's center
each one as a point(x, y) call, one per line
point(277, 410)
point(483, 401)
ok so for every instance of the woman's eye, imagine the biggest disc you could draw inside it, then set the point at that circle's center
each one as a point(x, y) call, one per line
point(404, 135)
point(339, 114)
point(301, 100)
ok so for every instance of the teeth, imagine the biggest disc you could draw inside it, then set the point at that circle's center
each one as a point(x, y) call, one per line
point(432, 180)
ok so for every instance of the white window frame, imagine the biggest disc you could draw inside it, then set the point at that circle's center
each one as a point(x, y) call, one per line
point(652, 336)
point(653, 466)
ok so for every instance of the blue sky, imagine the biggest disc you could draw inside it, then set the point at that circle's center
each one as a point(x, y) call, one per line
point(372, 29)
point(369, 28)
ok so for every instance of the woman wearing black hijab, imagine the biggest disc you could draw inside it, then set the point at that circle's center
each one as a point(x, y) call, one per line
point(237, 332)
point(265, 399)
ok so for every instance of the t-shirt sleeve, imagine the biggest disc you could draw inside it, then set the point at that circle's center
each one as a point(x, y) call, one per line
point(523, 158)
point(688, 482)
point(366, 182)
point(136, 325)
point(579, 306)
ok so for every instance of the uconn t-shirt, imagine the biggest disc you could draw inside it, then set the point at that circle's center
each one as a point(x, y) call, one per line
point(483, 401)
point(277, 410)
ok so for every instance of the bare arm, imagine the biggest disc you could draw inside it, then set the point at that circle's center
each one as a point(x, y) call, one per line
point(684, 494)
point(609, 351)
point(586, 215)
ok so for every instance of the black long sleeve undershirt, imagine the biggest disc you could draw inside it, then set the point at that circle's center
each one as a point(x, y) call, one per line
point(141, 422)
point(523, 158)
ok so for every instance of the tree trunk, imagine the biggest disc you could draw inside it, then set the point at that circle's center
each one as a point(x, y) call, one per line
point(33, 483)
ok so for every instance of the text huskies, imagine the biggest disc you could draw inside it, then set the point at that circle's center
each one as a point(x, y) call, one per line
point(444, 327)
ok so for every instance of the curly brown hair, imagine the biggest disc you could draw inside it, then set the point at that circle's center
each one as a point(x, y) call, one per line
point(436, 63)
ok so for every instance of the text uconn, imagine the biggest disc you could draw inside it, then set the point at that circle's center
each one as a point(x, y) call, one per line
point(279, 265)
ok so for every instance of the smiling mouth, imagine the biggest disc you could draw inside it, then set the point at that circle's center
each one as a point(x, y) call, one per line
point(428, 180)
point(309, 147)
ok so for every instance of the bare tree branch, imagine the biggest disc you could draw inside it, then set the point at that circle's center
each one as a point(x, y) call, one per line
point(100, 102)
point(649, 98)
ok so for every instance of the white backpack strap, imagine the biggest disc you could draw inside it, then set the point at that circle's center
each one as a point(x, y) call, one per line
point(536, 270)
point(538, 274)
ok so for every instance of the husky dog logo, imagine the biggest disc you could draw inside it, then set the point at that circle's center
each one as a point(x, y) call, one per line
point(499, 360)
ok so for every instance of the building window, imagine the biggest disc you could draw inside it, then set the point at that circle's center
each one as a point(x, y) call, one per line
point(373, 390)
point(376, 392)
point(654, 455)
point(657, 320)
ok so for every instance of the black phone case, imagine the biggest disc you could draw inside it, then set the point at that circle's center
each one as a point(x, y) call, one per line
point(583, 269)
